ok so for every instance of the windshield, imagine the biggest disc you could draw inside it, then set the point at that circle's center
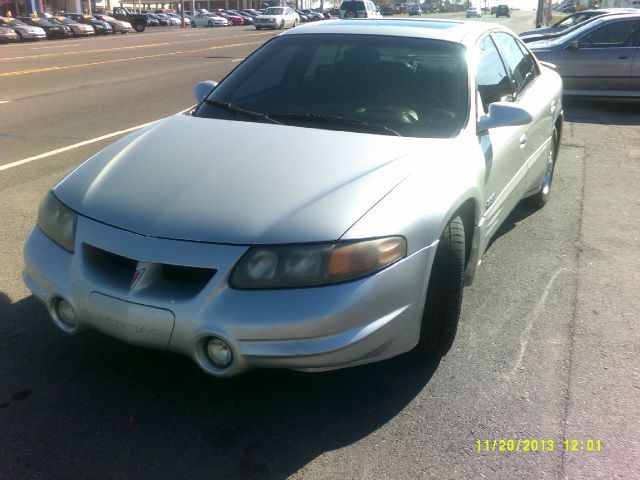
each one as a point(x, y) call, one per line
point(412, 86)
point(66, 21)
point(107, 18)
point(274, 11)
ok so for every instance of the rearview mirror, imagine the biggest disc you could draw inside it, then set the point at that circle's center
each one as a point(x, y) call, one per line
point(503, 114)
point(203, 89)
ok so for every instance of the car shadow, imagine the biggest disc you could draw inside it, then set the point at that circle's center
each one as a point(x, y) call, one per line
point(519, 213)
point(605, 111)
point(111, 406)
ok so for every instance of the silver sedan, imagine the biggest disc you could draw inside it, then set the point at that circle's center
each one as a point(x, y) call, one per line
point(426, 135)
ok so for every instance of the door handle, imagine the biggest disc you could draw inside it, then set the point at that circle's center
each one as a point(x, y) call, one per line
point(523, 140)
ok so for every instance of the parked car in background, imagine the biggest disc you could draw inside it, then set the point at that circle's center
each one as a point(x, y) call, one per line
point(415, 10)
point(597, 58)
point(24, 31)
point(78, 29)
point(8, 35)
point(232, 18)
point(277, 17)
point(187, 20)
point(248, 19)
point(503, 11)
point(139, 21)
point(359, 9)
point(98, 25)
point(208, 20)
point(163, 20)
point(332, 257)
point(313, 16)
point(118, 26)
point(573, 20)
point(52, 29)
point(303, 16)
point(474, 12)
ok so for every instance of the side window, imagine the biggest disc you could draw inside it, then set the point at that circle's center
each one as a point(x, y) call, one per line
point(522, 67)
point(492, 78)
point(610, 35)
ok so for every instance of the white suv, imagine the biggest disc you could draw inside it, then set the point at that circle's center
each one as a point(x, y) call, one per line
point(359, 9)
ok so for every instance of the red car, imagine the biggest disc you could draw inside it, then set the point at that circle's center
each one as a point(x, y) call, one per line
point(234, 19)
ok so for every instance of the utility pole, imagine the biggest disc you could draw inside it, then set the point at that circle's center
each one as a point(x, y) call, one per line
point(539, 13)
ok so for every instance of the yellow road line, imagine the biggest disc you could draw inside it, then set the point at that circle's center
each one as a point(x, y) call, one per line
point(129, 47)
point(118, 60)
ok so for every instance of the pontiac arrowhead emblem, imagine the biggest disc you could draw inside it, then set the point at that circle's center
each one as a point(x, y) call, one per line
point(136, 276)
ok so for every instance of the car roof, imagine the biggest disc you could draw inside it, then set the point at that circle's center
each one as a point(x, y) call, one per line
point(458, 31)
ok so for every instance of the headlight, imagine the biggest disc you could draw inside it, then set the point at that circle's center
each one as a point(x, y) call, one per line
point(57, 221)
point(311, 265)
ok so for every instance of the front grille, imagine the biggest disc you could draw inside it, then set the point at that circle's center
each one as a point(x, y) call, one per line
point(171, 281)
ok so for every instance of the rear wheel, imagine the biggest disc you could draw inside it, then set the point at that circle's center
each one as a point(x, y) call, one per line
point(444, 295)
point(139, 27)
point(210, 24)
point(295, 23)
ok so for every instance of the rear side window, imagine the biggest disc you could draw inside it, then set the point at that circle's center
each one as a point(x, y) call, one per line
point(352, 6)
point(611, 35)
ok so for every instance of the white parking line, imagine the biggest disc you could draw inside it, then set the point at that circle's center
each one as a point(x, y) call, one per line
point(192, 34)
point(235, 60)
point(5, 101)
point(70, 147)
point(77, 145)
point(56, 46)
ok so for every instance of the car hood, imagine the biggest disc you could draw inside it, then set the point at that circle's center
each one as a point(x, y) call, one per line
point(235, 182)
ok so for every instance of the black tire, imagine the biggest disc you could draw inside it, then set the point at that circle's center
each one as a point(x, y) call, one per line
point(282, 25)
point(139, 27)
point(210, 24)
point(20, 37)
point(193, 24)
point(444, 295)
point(540, 199)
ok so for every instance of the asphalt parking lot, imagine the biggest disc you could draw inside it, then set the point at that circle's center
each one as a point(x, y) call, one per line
point(548, 347)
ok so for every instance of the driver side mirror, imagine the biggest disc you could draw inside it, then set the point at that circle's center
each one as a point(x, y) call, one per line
point(203, 89)
point(503, 114)
point(573, 46)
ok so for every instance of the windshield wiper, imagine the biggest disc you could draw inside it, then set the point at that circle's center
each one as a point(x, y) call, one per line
point(318, 117)
point(241, 112)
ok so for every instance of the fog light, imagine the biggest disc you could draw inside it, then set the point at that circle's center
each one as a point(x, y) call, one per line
point(219, 353)
point(66, 313)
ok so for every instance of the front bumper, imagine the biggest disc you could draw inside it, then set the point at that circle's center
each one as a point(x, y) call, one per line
point(317, 328)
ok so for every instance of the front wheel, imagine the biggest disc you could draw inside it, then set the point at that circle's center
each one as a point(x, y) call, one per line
point(210, 24)
point(139, 27)
point(540, 199)
point(444, 294)
point(282, 25)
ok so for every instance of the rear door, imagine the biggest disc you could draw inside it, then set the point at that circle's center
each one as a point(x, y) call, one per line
point(602, 62)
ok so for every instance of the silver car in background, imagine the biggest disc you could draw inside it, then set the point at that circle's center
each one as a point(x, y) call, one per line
point(430, 133)
point(118, 26)
point(24, 31)
point(602, 58)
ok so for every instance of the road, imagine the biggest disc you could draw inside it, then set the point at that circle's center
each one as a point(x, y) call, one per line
point(548, 347)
